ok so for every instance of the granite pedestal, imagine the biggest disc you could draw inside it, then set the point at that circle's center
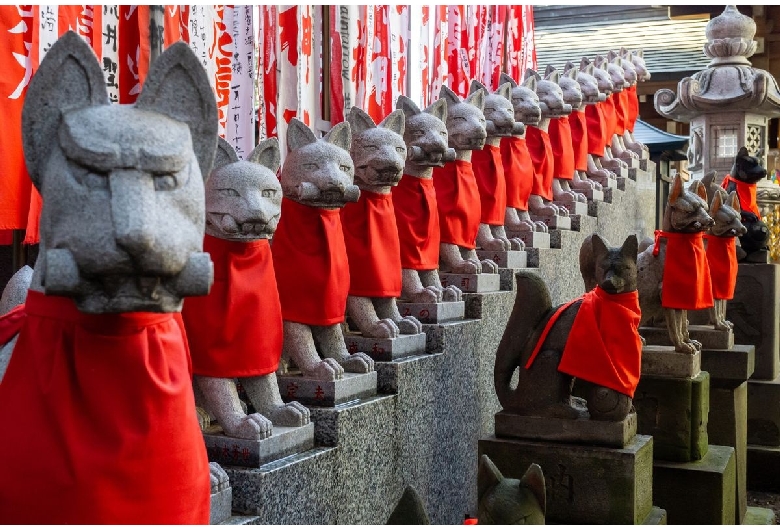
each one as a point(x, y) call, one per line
point(433, 313)
point(585, 484)
point(310, 391)
point(573, 207)
point(606, 183)
point(763, 413)
point(592, 194)
point(505, 259)
point(284, 441)
point(386, 349)
point(472, 283)
point(708, 336)
point(531, 239)
point(583, 430)
point(221, 506)
point(663, 361)
point(674, 411)
point(554, 221)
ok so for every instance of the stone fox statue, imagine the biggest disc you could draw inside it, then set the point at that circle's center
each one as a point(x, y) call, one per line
point(594, 338)
point(236, 331)
point(745, 173)
point(510, 500)
point(98, 388)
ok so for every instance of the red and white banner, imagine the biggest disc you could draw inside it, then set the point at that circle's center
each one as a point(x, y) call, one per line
point(267, 78)
point(240, 131)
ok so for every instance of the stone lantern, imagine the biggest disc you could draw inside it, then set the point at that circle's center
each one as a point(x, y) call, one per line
point(729, 103)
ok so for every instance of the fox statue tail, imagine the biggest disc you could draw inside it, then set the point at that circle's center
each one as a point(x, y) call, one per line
point(532, 308)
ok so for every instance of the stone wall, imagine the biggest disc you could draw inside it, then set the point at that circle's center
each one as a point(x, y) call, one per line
point(423, 427)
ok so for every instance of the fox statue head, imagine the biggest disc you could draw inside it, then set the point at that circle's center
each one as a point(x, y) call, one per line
point(589, 86)
point(122, 221)
point(378, 151)
point(550, 95)
point(466, 124)
point(572, 93)
point(425, 135)
point(498, 110)
point(524, 100)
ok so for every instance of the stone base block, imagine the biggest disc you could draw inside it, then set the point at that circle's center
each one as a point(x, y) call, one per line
point(591, 194)
point(553, 221)
point(763, 413)
point(674, 412)
point(755, 313)
point(756, 515)
point(663, 361)
point(727, 425)
point(433, 313)
point(709, 337)
point(580, 431)
point(608, 193)
point(310, 391)
point(633, 163)
point(700, 492)
point(386, 349)
point(472, 283)
point(736, 364)
point(573, 207)
point(221, 506)
point(531, 239)
point(284, 441)
point(763, 467)
point(621, 183)
point(505, 259)
point(585, 484)
point(632, 171)
point(607, 182)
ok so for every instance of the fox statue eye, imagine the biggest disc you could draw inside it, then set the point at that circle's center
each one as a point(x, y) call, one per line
point(310, 167)
point(228, 192)
point(267, 194)
point(164, 182)
point(345, 168)
point(400, 149)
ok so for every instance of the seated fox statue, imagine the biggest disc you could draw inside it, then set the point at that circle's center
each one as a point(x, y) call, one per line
point(745, 173)
point(509, 500)
point(236, 331)
point(594, 338)
point(98, 389)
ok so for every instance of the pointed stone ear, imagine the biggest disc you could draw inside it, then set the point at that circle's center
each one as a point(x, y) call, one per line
point(530, 83)
point(532, 73)
point(584, 63)
point(611, 55)
point(698, 188)
point(630, 247)
point(506, 78)
point(488, 476)
point(299, 135)
point(624, 51)
point(476, 85)
point(68, 78)
point(477, 99)
point(359, 120)
point(394, 122)
point(554, 77)
point(600, 247)
point(708, 179)
point(534, 481)
point(717, 202)
point(639, 53)
point(438, 109)
point(178, 87)
point(550, 69)
point(676, 191)
point(571, 73)
point(734, 201)
point(407, 105)
point(589, 69)
point(266, 153)
point(225, 154)
point(743, 152)
point(505, 91)
point(448, 95)
point(568, 66)
point(340, 136)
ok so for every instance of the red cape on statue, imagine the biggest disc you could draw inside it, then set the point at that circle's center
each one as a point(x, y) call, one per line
point(632, 107)
point(538, 142)
point(100, 420)
point(610, 118)
point(596, 129)
point(722, 259)
point(489, 171)
point(563, 152)
point(746, 193)
point(518, 171)
point(310, 261)
point(686, 282)
point(373, 248)
point(579, 139)
point(236, 330)
point(417, 221)
point(603, 346)
point(619, 101)
point(457, 197)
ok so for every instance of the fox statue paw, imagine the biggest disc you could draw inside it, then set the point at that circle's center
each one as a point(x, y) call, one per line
point(291, 414)
point(489, 266)
point(250, 427)
point(325, 370)
point(452, 294)
point(429, 295)
point(358, 363)
point(409, 326)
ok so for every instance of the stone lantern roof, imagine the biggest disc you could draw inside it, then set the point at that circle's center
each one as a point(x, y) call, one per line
point(729, 81)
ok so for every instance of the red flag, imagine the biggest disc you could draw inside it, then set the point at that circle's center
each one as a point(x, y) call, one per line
point(336, 88)
point(269, 50)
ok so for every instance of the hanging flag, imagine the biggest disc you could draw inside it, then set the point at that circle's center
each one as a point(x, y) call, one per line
point(240, 132)
point(529, 47)
point(176, 24)
point(399, 51)
point(336, 89)
point(458, 74)
point(438, 53)
point(221, 54)
point(268, 46)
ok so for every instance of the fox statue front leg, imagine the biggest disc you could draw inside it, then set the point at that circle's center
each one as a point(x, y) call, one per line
point(430, 279)
point(221, 399)
point(452, 261)
point(386, 308)
point(264, 395)
point(299, 346)
point(415, 289)
point(331, 342)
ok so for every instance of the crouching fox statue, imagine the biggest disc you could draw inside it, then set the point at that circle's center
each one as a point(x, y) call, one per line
point(594, 338)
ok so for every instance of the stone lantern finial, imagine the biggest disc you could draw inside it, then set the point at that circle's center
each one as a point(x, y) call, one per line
point(730, 38)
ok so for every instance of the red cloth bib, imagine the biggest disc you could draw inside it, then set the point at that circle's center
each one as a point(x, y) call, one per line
point(619, 101)
point(489, 171)
point(310, 260)
point(373, 249)
point(236, 331)
point(539, 148)
point(518, 171)
point(603, 346)
point(457, 197)
point(11, 323)
point(594, 116)
point(579, 139)
point(686, 283)
point(610, 119)
point(722, 259)
point(563, 152)
point(100, 423)
point(417, 221)
point(632, 107)
point(746, 193)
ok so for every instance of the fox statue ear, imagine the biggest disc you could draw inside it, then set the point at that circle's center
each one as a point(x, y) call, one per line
point(340, 136)
point(407, 105)
point(505, 91)
point(630, 248)
point(533, 480)
point(600, 247)
point(477, 98)
point(394, 122)
point(708, 179)
point(225, 154)
point(676, 191)
point(554, 76)
point(530, 83)
point(734, 201)
point(476, 85)
point(298, 135)
point(698, 188)
point(266, 153)
point(717, 202)
point(506, 78)
point(359, 120)
point(438, 109)
point(488, 476)
point(448, 95)
point(550, 69)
